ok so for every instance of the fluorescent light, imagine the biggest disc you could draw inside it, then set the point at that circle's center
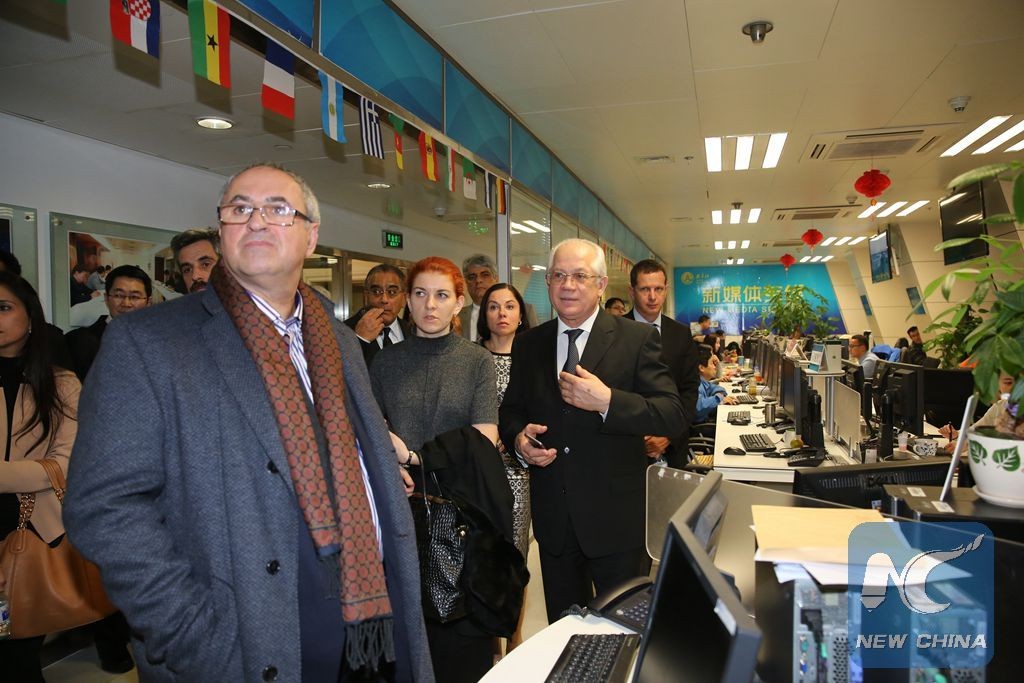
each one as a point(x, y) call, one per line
point(870, 210)
point(891, 209)
point(214, 122)
point(1016, 148)
point(827, 241)
point(775, 144)
point(732, 244)
point(744, 146)
point(745, 244)
point(855, 240)
point(976, 134)
point(805, 259)
point(537, 267)
point(539, 226)
point(1005, 136)
point(753, 215)
point(735, 215)
point(970, 219)
point(718, 245)
point(739, 261)
point(827, 258)
point(815, 259)
point(728, 261)
point(522, 228)
point(716, 217)
point(842, 240)
point(713, 153)
point(912, 208)
point(513, 231)
point(878, 236)
point(378, 186)
point(952, 198)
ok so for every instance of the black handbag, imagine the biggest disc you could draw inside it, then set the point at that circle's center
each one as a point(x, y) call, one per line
point(442, 535)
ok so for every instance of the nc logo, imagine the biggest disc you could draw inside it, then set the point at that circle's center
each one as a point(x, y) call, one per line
point(912, 581)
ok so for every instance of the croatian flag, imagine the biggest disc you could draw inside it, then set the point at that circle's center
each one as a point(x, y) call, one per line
point(279, 80)
point(137, 23)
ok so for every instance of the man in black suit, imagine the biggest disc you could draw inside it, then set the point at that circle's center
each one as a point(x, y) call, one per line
point(377, 324)
point(648, 288)
point(589, 385)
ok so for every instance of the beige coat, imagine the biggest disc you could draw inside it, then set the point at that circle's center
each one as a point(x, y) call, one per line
point(19, 475)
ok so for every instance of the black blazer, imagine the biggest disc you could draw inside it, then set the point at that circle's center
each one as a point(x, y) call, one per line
point(83, 344)
point(597, 482)
point(371, 347)
point(679, 353)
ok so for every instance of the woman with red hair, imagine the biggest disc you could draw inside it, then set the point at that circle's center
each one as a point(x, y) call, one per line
point(431, 384)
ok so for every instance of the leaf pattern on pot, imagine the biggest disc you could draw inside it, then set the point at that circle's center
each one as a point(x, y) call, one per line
point(1007, 458)
point(978, 452)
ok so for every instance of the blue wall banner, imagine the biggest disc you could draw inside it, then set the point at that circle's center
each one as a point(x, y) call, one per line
point(293, 16)
point(531, 163)
point(734, 295)
point(566, 190)
point(472, 118)
point(376, 45)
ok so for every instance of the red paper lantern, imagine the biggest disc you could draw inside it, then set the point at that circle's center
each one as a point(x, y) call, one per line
point(872, 184)
point(812, 238)
point(787, 260)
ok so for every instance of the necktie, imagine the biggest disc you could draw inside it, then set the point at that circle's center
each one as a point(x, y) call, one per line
point(573, 359)
point(387, 336)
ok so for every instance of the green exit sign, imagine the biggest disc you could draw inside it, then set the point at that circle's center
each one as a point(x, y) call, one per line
point(392, 240)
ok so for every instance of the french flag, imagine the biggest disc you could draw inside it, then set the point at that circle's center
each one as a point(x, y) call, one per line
point(137, 23)
point(279, 80)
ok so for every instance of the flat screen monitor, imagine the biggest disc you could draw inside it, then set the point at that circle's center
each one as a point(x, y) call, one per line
point(703, 512)
point(908, 413)
point(790, 397)
point(697, 627)
point(861, 486)
point(944, 393)
point(881, 257)
point(962, 214)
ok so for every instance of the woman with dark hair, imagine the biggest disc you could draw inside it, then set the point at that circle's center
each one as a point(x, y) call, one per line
point(41, 421)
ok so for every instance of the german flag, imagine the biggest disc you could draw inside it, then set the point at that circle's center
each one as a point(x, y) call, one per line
point(210, 27)
point(428, 157)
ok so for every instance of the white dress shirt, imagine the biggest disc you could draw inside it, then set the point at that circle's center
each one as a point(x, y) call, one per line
point(638, 316)
point(562, 342)
point(396, 334)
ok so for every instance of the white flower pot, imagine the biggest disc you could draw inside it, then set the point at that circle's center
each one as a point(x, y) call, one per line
point(997, 465)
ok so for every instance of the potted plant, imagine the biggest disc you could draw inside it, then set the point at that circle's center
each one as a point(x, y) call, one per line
point(996, 344)
point(948, 338)
point(795, 309)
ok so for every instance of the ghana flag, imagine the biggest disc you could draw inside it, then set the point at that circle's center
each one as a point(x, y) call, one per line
point(210, 27)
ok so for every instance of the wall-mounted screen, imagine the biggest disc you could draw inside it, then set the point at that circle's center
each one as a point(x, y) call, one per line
point(881, 257)
point(962, 214)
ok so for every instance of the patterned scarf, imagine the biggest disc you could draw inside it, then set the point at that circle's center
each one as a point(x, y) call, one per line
point(344, 533)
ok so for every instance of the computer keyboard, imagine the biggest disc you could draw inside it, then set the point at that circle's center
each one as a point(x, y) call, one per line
point(595, 657)
point(745, 399)
point(738, 417)
point(757, 442)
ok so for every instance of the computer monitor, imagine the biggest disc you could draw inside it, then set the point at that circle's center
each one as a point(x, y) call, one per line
point(907, 408)
point(944, 393)
point(703, 511)
point(793, 392)
point(854, 378)
point(861, 486)
point(696, 627)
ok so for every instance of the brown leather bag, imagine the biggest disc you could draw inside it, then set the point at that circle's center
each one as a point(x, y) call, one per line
point(49, 589)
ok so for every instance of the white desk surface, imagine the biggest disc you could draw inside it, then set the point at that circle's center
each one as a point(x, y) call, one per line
point(534, 658)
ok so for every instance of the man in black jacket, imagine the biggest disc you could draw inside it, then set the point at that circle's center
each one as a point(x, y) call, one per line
point(377, 324)
point(915, 354)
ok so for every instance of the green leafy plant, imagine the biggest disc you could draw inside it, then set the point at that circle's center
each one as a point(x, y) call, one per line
point(996, 343)
point(797, 308)
point(948, 338)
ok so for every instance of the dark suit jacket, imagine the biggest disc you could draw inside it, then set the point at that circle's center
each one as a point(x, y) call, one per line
point(371, 347)
point(180, 490)
point(597, 482)
point(83, 344)
point(679, 353)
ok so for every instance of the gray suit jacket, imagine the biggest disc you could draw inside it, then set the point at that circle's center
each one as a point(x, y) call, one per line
point(179, 489)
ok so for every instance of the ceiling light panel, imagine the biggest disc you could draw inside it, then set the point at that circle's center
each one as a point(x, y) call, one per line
point(805, 259)
point(719, 245)
point(739, 261)
point(826, 258)
point(1001, 139)
point(745, 244)
point(774, 152)
point(744, 148)
point(735, 215)
point(827, 241)
point(744, 151)
point(815, 259)
point(540, 226)
point(753, 215)
point(855, 240)
point(912, 208)
point(866, 213)
point(713, 154)
point(891, 209)
point(975, 135)
point(732, 244)
point(716, 217)
point(841, 241)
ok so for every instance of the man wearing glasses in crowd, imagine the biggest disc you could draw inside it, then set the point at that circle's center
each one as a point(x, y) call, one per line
point(860, 353)
point(587, 387)
point(378, 323)
point(246, 512)
point(480, 273)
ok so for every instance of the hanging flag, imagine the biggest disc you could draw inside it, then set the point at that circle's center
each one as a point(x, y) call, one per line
point(137, 23)
point(399, 126)
point(332, 95)
point(428, 157)
point(210, 28)
point(279, 80)
point(452, 169)
point(500, 198)
point(488, 190)
point(369, 126)
point(468, 179)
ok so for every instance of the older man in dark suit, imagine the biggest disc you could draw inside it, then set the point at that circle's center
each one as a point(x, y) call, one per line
point(648, 288)
point(377, 323)
point(589, 386)
point(234, 479)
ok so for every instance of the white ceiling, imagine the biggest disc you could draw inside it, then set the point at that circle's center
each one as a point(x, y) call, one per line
point(601, 83)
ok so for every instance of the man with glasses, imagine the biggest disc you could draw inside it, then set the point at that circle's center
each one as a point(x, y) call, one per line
point(233, 438)
point(588, 386)
point(195, 252)
point(377, 324)
point(480, 273)
point(128, 288)
point(860, 353)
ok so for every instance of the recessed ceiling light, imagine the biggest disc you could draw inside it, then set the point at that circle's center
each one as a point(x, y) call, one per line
point(728, 261)
point(713, 152)
point(522, 228)
point(827, 241)
point(538, 267)
point(1003, 137)
point(739, 261)
point(735, 215)
point(1016, 148)
point(214, 122)
point(855, 240)
point(866, 213)
point(842, 240)
point(976, 134)
point(378, 186)
point(716, 217)
point(826, 258)
point(912, 208)
point(805, 259)
point(952, 198)
point(745, 244)
point(744, 146)
point(815, 259)
point(732, 244)
point(540, 226)
point(753, 215)
point(891, 209)
point(718, 244)
point(775, 144)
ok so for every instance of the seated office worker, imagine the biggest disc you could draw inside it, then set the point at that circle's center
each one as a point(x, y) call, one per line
point(246, 512)
point(378, 322)
point(709, 396)
point(860, 353)
point(589, 385)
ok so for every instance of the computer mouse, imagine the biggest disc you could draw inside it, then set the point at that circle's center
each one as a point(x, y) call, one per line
point(732, 450)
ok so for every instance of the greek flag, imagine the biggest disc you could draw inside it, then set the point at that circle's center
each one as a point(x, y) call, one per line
point(369, 126)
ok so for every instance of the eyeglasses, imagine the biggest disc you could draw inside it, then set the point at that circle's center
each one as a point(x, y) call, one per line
point(484, 275)
point(381, 291)
point(281, 215)
point(133, 297)
point(559, 278)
